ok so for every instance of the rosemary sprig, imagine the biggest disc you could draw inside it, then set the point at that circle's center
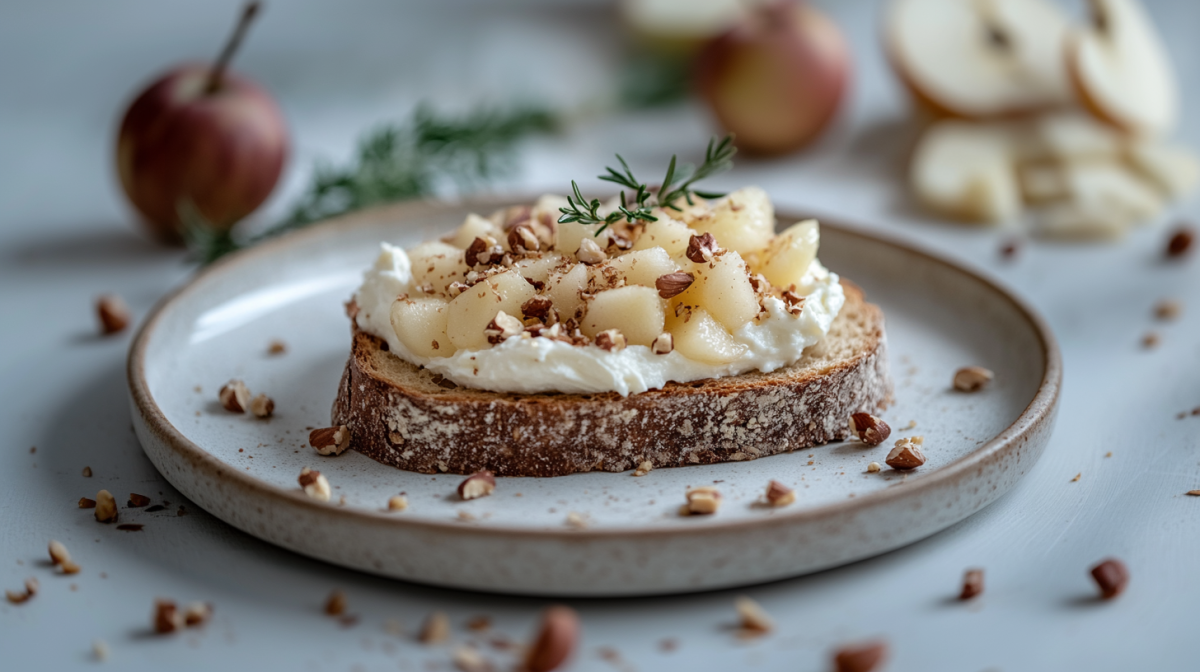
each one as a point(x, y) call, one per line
point(395, 163)
point(717, 158)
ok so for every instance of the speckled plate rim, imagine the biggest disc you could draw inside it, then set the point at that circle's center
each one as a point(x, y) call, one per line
point(1032, 419)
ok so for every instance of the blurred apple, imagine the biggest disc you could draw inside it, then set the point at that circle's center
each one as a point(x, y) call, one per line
point(777, 78)
point(680, 26)
point(203, 135)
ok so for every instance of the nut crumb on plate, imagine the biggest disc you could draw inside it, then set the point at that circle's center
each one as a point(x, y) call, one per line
point(262, 406)
point(972, 584)
point(1167, 309)
point(113, 313)
point(234, 396)
point(397, 503)
point(663, 344)
point(20, 597)
point(972, 378)
point(87, 503)
point(62, 559)
point(779, 494)
point(335, 604)
point(1077, 477)
point(106, 507)
point(1111, 576)
point(576, 520)
point(435, 629)
point(1150, 340)
point(873, 467)
point(752, 618)
point(1180, 242)
point(197, 613)
point(479, 484)
point(702, 500)
point(330, 440)
point(87, 472)
point(1193, 493)
point(869, 429)
point(907, 454)
point(644, 468)
point(137, 501)
point(468, 659)
point(315, 484)
point(166, 617)
point(863, 657)
point(276, 347)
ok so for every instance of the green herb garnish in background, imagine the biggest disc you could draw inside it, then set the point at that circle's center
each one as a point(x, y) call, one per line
point(394, 163)
point(717, 158)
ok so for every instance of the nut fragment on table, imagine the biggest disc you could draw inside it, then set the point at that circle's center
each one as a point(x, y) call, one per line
point(276, 347)
point(907, 454)
point(335, 605)
point(87, 472)
point(703, 500)
point(1150, 340)
point(644, 468)
point(752, 618)
point(869, 429)
point(22, 596)
point(479, 484)
point(315, 484)
point(113, 313)
point(873, 468)
point(972, 584)
point(1168, 309)
point(262, 406)
point(234, 396)
point(556, 640)
point(1181, 241)
point(137, 501)
point(397, 503)
point(863, 657)
point(197, 613)
point(106, 507)
point(330, 440)
point(972, 378)
point(62, 559)
point(779, 494)
point(87, 503)
point(1111, 577)
point(167, 618)
point(435, 629)
point(468, 659)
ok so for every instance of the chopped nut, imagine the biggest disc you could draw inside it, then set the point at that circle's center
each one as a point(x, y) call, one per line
point(62, 559)
point(234, 396)
point(113, 313)
point(1167, 309)
point(106, 507)
point(435, 629)
point(663, 345)
point(793, 301)
point(138, 501)
point(907, 454)
point(85, 503)
point(522, 238)
point(479, 484)
point(315, 484)
point(1181, 241)
point(197, 613)
point(576, 520)
point(860, 657)
point(1111, 576)
point(468, 659)
point(556, 640)
point(276, 347)
point(873, 467)
point(503, 327)
point(673, 284)
point(484, 251)
point(645, 467)
point(87, 472)
point(262, 406)
point(330, 440)
point(538, 307)
point(701, 249)
point(100, 650)
point(972, 584)
point(397, 503)
point(1077, 477)
point(869, 429)
point(753, 619)
point(1150, 340)
point(336, 604)
point(166, 617)
point(704, 500)
point(610, 340)
point(590, 253)
point(972, 378)
point(779, 494)
point(20, 597)
point(1010, 249)
point(1193, 493)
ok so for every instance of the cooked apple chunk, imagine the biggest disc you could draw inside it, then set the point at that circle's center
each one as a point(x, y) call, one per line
point(670, 234)
point(420, 324)
point(635, 311)
point(643, 267)
point(470, 312)
point(538, 268)
point(698, 336)
point(744, 221)
point(438, 264)
point(563, 286)
point(571, 235)
point(789, 255)
point(723, 288)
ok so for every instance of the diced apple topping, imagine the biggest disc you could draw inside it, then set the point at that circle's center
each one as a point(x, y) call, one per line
point(698, 336)
point(635, 311)
point(470, 312)
point(420, 324)
point(644, 266)
point(670, 234)
point(437, 264)
point(789, 254)
point(722, 287)
point(744, 221)
point(474, 227)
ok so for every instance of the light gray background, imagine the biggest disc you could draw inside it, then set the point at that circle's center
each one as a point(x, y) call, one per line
point(67, 69)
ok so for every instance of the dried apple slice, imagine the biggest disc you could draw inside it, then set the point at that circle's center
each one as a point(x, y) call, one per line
point(968, 171)
point(1121, 71)
point(980, 58)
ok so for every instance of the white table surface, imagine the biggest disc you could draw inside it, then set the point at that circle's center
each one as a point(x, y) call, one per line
point(65, 235)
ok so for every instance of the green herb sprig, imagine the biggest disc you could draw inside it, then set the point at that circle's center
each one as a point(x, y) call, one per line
point(717, 159)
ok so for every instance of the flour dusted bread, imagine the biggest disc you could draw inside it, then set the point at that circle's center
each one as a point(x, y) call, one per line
point(407, 417)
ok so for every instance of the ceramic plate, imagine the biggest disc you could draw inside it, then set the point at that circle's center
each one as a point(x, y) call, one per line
point(243, 470)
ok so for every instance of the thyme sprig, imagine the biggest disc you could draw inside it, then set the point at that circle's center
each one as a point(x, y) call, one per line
point(675, 186)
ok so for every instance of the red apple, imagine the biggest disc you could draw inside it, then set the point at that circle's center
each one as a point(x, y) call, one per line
point(205, 135)
point(776, 79)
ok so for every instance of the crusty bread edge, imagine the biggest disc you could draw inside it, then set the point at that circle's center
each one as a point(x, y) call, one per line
point(704, 422)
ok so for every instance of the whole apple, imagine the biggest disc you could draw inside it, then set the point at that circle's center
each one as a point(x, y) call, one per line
point(776, 79)
point(203, 135)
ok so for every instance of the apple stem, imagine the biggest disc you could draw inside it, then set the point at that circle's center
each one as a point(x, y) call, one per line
point(231, 47)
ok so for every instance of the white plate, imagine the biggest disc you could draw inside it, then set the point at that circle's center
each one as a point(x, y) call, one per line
point(244, 470)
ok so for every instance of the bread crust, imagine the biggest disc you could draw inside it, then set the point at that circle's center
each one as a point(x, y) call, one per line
point(434, 426)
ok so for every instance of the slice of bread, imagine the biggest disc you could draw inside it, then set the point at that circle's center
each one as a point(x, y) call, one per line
point(407, 417)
